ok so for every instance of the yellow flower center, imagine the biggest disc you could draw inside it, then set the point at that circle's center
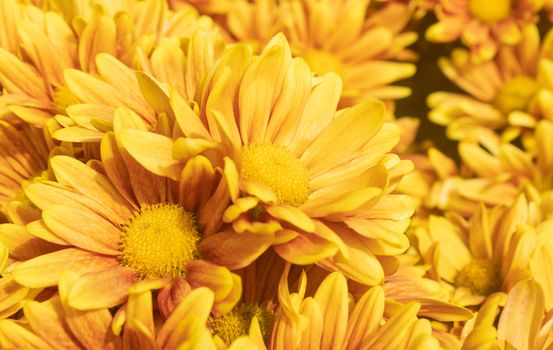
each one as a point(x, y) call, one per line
point(322, 62)
point(515, 95)
point(237, 322)
point(490, 10)
point(63, 98)
point(275, 166)
point(160, 240)
point(481, 276)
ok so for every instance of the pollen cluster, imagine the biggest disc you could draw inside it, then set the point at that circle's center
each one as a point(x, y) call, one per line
point(275, 166)
point(236, 323)
point(480, 276)
point(160, 240)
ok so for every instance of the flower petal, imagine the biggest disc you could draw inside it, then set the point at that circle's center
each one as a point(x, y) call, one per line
point(101, 288)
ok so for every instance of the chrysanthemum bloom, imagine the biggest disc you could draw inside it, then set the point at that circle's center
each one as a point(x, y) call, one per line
point(33, 77)
point(329, 320)
point(489, 254)
point(168, 68)
point(513, 321)
point(366, 50)
point(313, 182)
point(483, 25)
point(510, 93)
point(119, 224)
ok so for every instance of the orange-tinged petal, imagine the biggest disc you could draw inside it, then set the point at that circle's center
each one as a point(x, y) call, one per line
point(318, 111)
point(293, 216)
point(204, 274)
point(47, 320)
point(152, 151)
point(101, 288)
point(44, 271)
point(344, 137)
point(90, 183)
point(348, 202)
point(259, 90)
point(188, 121)
point(231, 175)
point(289, 106)
point(395, 329)
point(92, 328)
point(234, 250)
point(77, 134)
point(197, 304)
point(332, 297)
point(85, 229)
point(23, 245)
point(14, 335)
point(521, 317)
point(306, 249)
point(365, 317)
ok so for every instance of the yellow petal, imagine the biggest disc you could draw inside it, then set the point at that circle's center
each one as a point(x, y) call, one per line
point(152, 151)
point(344, 137)
point(521, 318)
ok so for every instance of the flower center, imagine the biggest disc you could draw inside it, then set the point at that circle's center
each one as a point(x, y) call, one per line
point(275, 166)
point(323, 62)
point(490, 10)
point(516, 94)
point(159, 241)
point(237, 322)
point(481, 276)
point(63, 98)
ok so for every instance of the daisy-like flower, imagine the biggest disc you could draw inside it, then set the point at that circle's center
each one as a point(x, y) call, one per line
point(366, 49)
point(489, 254)
point(118, 224)
point(144, 93)
point(33, 78)
point(313, 182)
point(329, 320)
point(513, 321)
point(483, 25)
point(510, 93)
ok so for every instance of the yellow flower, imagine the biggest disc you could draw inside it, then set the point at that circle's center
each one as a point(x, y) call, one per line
point(488, 254)
point(340, 36)
point(33, 76)
point(510, 93)
point(521, 323)
point(483, 25)
point(144, 94)
point(117, 224)
point(314, 182)
point(331, 320)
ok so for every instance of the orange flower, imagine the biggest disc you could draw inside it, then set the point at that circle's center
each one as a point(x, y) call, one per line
point(118, 224)
point(483, 25)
